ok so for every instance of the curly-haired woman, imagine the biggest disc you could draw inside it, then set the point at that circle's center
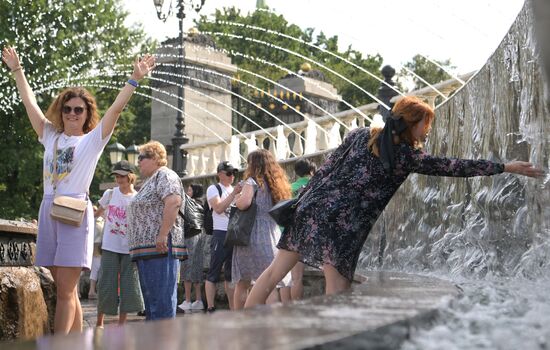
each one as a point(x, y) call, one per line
point(72, 127)
point(265, 176)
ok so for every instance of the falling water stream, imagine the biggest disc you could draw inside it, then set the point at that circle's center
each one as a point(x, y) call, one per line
point(488, 235)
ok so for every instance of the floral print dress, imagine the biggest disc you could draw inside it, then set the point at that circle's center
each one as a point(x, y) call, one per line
point(341, 204)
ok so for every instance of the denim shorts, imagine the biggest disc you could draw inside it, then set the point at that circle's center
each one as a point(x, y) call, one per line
point(220, 256)
point(59, 244)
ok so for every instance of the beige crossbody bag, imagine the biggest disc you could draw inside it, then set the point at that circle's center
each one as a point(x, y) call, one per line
point(65, 209)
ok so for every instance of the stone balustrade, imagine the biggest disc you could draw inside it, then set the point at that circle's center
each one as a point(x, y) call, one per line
point(297, 139)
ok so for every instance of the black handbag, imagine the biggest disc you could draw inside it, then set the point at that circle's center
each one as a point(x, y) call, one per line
point(241, 223)
point(283, 212)
point(193, 217)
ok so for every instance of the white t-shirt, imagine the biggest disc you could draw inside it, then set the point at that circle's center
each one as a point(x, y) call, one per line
point(115, 228)
point(77, 157)
point(220, 221)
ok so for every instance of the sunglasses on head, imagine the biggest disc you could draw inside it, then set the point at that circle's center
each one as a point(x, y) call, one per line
point(144, 156)
point(76, 110)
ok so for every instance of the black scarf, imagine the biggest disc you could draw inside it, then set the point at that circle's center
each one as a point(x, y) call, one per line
point(394, 126)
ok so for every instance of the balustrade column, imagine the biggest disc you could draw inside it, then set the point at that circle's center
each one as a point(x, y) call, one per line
point(298, 147)
point(191, 161)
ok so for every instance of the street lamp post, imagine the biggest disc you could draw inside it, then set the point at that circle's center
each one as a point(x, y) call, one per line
point(179, 157)
point(117, 151)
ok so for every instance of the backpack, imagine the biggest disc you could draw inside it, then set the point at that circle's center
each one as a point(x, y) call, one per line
point(208, 220)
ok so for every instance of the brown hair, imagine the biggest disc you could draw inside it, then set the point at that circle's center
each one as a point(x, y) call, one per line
point(412, 110)
point(262, 166)
point(156, 150)
point(132, 178)
point(54, 111)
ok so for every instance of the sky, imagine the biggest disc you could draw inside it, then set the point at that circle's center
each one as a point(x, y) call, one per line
point(466, 32)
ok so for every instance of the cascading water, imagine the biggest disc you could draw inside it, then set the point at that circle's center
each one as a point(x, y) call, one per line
point(489, 235)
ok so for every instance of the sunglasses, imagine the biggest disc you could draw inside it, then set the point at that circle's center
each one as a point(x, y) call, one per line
point(77, 110)
point(229, 173)
point(144, 156)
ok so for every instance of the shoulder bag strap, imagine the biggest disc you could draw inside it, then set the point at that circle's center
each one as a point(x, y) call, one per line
point(54, 175)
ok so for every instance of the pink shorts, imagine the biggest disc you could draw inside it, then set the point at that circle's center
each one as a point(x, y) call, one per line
point(59, 244)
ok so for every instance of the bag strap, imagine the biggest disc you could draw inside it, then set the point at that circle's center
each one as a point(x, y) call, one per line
point(256, 188)
point(219, 189)
point(54, 175)
point(111, 190)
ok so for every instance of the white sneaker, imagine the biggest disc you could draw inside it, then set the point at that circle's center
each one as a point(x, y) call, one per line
point(185, 305)
point(197, 305)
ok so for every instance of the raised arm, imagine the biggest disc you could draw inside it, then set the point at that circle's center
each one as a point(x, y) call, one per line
point(141, 68)
point(37, 118)
point(219, 205)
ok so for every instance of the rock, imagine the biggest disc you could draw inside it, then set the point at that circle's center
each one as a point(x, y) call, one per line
point(23, 310)
point(84, 284)
point(48, 291)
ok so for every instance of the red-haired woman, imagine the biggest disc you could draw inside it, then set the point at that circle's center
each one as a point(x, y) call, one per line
point(266, 175)
point(345, 197)
point(72, 127)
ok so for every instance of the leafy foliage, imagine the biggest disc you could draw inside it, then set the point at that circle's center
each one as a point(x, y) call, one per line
point(430, 72)
point(60, 44)
point(264, 42)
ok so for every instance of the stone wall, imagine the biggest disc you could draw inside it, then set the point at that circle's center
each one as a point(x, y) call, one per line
point(206, 72)
point(481, 225)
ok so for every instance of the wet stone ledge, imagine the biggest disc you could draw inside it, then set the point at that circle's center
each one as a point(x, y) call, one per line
point(378, 313)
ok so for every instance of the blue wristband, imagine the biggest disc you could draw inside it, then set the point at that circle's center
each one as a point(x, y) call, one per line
point(133, 83)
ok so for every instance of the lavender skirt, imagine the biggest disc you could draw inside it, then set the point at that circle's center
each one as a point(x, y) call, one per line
point(59, 244)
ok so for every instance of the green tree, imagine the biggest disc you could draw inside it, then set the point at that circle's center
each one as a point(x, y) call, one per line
point(253, 39)
point(427, 70)
point(60, 43)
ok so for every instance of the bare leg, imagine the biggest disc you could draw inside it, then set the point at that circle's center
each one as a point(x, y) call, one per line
point(297, 289)
point(273, 298)
point(335, 282)
point(100, 318)
point(229, 291)
point(68, 313)
point(187, 285)
point(239, 295)
point(210, 289)
point(92, 293)
point(78, 319)
point(122, 318)
point(198, 291)
point(285, 295)
point(283, 262)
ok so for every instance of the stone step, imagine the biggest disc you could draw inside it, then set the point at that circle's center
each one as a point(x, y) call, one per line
point(378, 312)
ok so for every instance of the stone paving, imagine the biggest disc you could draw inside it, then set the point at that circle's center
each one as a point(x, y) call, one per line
point(378, 313)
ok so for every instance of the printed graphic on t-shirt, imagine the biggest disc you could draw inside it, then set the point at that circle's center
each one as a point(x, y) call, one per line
point(117, 220)
point(65, 158)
